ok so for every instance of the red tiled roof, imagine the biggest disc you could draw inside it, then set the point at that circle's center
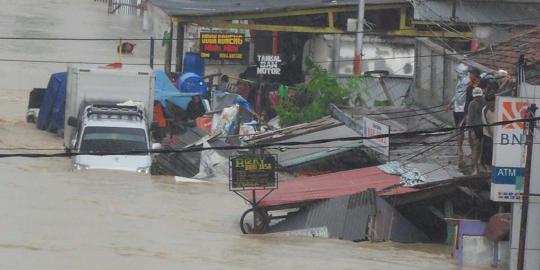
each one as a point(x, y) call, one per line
point(505, 55)
point(327, 186)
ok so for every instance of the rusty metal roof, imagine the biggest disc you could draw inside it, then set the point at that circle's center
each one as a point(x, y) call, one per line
point(505, 54)
point(479, 12)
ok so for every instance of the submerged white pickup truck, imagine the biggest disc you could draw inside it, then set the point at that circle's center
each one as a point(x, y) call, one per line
point(109, 111)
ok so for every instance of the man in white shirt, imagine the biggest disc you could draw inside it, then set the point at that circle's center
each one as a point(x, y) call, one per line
point(458, 104)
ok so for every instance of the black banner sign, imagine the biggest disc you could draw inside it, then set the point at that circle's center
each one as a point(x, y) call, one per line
point(222, 46)
point(252, 172)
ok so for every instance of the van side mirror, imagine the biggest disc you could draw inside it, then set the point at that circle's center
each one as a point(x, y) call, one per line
point(72, 121)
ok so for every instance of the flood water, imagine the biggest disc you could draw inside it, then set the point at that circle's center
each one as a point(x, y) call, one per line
point(53, 218)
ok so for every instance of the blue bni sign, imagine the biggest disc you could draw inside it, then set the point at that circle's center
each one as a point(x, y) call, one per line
point(507, 183)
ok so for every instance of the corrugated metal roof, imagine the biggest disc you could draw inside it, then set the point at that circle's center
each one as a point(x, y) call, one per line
point(345, 217)
point(324, 128)
point(327, 186)
point(479, 12)
point(413, 174)
point(185, 164)
point(401, 119)
point(305, 154)
point(391, 225)
point(220, 7)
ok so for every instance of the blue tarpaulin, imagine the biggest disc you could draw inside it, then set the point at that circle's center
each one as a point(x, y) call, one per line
point(51, 113)
point(166, 91)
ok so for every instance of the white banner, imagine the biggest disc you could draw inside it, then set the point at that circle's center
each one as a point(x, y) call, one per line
point(374, 128)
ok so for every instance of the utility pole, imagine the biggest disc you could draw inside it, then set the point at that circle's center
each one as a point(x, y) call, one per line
point(526, 193)
point(359, 38)
point(168, 50)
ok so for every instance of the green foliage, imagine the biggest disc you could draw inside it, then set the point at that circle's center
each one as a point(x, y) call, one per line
point(312, 98)
point(359, 91)
point(381, 103)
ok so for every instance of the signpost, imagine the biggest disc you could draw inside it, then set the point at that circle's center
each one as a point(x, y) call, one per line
point(509, 150)
point(374, 128)
point(222, 46)
point(253, 172)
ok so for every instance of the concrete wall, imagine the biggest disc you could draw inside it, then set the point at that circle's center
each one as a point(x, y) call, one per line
point(336, 53)
point(435, 75)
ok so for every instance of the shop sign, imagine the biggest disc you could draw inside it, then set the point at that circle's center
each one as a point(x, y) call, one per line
point(251, 172)
point(222, 46)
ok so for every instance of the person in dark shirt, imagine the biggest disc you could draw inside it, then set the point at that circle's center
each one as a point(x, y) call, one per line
point(195, 108)
point(474, 118)
point(474, 81)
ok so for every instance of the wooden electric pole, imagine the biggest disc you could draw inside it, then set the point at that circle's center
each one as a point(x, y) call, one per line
point(526, 192)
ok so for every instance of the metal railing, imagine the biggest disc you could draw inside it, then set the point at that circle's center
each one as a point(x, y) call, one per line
point(124, 7)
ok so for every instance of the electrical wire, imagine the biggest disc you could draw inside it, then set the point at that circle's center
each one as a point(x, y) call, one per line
point(406, 111)
point(210, 64)
point(413, 155)
point(429, 132)
point(414, 115)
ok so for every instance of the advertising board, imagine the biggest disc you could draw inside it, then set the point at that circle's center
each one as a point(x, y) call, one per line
point(252, 172)
point(509, 149)
point(222, 46)
point(374, 128)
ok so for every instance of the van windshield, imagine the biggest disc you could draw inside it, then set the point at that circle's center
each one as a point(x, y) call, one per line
point(113, 139)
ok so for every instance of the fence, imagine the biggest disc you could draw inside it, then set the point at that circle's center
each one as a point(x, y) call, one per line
point(124, 7)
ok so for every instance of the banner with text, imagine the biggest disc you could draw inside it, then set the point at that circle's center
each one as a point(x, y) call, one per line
point(509, 149)
point(268, 65)
point(374, 128)
point(222, 46)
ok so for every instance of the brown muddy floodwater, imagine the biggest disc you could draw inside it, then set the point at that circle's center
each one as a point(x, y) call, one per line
point(53, 218)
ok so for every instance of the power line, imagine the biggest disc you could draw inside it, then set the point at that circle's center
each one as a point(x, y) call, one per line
point(406, 111)
point(224, 64)
point(409, 158)
point(413, 115)
point(429, 132)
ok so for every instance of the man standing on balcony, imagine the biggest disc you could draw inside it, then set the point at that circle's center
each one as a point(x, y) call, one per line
point(458, 104)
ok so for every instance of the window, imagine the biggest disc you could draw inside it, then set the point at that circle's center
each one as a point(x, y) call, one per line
point(113, 139)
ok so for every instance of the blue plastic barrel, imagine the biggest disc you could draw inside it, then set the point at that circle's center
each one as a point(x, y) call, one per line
point(193, 63)
point(191, 83)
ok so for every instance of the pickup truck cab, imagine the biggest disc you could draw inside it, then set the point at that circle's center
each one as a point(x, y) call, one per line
point(112, 129)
